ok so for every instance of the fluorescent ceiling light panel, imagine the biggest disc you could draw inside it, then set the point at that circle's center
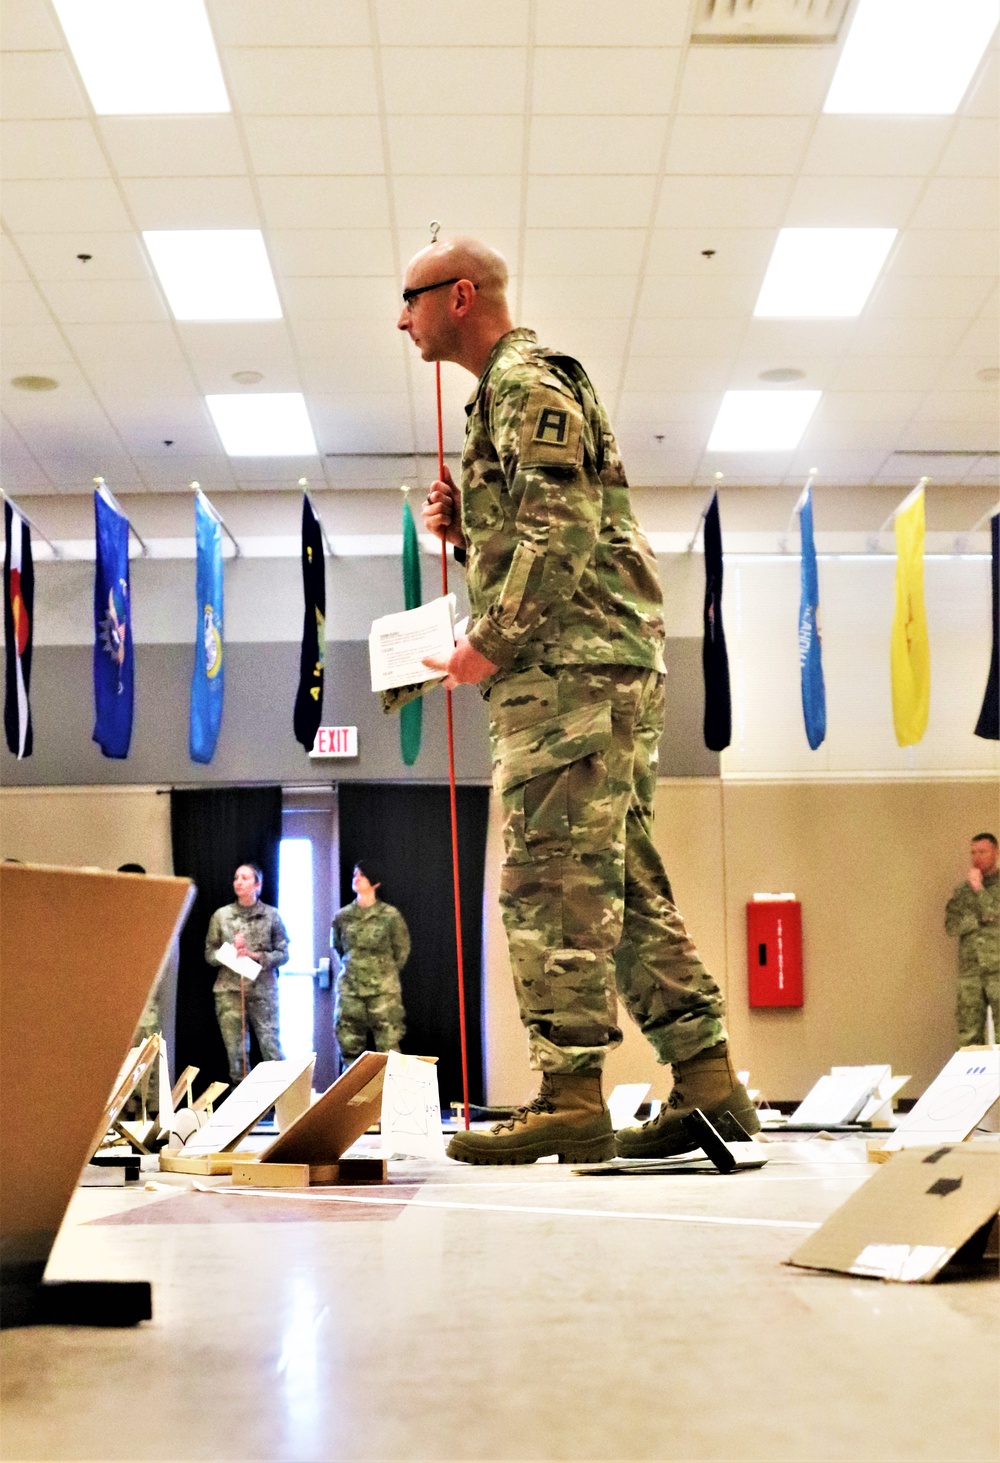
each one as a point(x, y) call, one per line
point(214, 274)
point(911, 57)
point(822, 273)
point(145, 57)
point(762, 421)
point(274, 424)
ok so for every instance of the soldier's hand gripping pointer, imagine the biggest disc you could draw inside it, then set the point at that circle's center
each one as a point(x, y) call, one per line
point(441, 512)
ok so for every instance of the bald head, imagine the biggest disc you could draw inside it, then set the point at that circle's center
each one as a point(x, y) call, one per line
point(455, 301)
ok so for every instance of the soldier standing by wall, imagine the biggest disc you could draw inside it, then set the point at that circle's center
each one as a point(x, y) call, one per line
point(373, 943)
point(255, 929)
point(567, 644)
point(973, 914)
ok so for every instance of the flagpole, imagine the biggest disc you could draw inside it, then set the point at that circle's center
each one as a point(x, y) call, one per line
point(704, 509)
point(56, 551)
point(328, 546)
point(211, 508)
point(451, 785)
point(910, 498)
point(799, 505)
point(985, 517)
point(113, 502)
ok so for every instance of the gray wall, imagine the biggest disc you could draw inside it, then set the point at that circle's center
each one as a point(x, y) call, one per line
point(256, 743)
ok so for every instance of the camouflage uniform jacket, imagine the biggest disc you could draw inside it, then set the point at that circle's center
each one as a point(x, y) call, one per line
point(262, 928)
point(373, 943)
point(559, 571)
point(975, 919)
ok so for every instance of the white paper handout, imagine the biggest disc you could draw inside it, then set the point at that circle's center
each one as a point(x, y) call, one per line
point(839, 1096)
point(398, 643)
point(956, 1101)
point(411, 1108)
point(242, 964)
point(261, 1089)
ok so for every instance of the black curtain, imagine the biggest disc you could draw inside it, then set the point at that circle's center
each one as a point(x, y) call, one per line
point(213, 831)
point(405, 830)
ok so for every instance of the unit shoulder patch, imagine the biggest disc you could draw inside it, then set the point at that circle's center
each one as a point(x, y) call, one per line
point(552, 433)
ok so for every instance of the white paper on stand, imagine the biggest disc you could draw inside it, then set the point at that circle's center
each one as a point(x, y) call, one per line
point(242, 964)
point(259, 1091)
point(839, 1096)
point(398, 644)
point(957, 1100)
point(411, 1108)
point(623, 1101)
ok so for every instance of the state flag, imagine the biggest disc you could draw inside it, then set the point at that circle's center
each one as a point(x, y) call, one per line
point(114, 655)
point(18, 629)
point(309, 698)
point(718, 722)
point(810, 643)
point(910, 655)
point(207, 680)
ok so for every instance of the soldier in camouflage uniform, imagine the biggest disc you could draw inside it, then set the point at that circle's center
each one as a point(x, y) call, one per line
point(973, 914)
point(567, 644)
point(373, 943)
point(257, 930)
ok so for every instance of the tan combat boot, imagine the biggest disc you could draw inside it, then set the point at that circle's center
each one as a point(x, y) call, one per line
point(706, 1081)
point(567, 1118)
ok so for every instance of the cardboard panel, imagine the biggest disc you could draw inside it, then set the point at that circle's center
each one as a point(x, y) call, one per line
point(911, 1217)
point(335, 1120)
point(79, 953)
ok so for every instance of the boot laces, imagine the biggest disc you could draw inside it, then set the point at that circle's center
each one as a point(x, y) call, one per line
point(542, 1103)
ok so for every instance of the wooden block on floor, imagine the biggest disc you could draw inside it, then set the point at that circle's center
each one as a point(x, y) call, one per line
point(252, 1174)
point(878, 1154)
point(205, 1165)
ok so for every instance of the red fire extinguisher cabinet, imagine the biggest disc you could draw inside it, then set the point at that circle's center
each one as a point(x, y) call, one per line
point(774, 952)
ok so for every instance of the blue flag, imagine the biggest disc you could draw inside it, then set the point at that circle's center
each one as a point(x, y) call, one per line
point(114, 659)
point(810, 644)
point(207, 680)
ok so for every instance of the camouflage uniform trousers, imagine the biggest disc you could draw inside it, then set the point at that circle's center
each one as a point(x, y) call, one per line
point(373, 1004)
point(261, 997)
point(977, 988)
point(585, 899)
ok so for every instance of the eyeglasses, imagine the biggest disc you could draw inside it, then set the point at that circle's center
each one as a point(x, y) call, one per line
point(410, 295)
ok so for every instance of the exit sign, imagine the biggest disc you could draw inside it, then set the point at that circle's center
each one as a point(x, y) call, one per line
point(335, 741)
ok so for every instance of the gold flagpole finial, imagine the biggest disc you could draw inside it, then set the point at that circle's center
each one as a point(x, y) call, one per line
point(98, 482)
point(303, 483)
point(195, 487)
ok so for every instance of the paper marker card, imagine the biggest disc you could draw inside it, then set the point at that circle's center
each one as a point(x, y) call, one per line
point(623, 1102)
point(838, 1097)
point(411, 1108)
point(956, 1101)
point(242, 964)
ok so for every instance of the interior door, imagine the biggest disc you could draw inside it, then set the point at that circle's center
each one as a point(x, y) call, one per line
point(308, 899)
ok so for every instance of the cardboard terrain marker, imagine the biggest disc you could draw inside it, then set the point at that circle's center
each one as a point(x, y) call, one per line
point(913, 1217)
point(411, 1107)
point(839, 1097)
point(311, 1150)
point(79, 954)
point(955, 1103)
point(285, 1086)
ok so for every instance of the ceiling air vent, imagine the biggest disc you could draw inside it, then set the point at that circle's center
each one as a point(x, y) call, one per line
point(768, 22)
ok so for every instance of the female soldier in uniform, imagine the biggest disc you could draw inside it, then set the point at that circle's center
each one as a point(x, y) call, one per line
point(373, 943)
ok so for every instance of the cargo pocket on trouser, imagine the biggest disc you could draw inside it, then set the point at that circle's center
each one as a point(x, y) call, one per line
point(561, 916)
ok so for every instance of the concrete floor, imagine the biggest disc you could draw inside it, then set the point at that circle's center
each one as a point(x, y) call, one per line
point(503, 1314)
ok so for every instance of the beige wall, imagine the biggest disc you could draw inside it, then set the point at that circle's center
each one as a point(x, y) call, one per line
point(99, 827)
point(872, 862)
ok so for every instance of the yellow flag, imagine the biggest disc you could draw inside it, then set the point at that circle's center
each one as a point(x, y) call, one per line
point(910, 651)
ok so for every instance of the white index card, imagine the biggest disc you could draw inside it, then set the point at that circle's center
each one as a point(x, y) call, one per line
point(411, 1108)
point(623, 1101)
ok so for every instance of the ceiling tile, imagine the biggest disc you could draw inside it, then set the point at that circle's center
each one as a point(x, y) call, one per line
point(783, 341)
point(29, 25)
point(747, 370)
point(918, 297)
point(288, 146)
point(950, 203)
point(583, 338)
point(737, 251)
point(959, 373)
point(185, 422)
point(742, 145)
point(343, 338)
point(889, 338)
point(837, 467)
point(39, 84)
point(567, 201)
point(362, 371)
point(682, 296)
point(596, 144)
point(981, 98)
point(873, 373)
point(21, 303)
point(852, 202)
point(331, 251)
point(464, 81)
point(127, 377)
point(450, 145)
point(583, 251)
point(170, 147)
point(324, 80)
point(883, 146)
point(115, 341)
point(192, 203)
point(959, 406)
point(594, 23)
point(452, 22)
point(464, 205)
point(692, 202)
point(953, 252)
point(292, 23)
point(945, 436)
point(362, 423)
point(687, 337)
point(740, 81)
point(328, 202)
point(866, 406)
point(66, 149)
point(41, 206)
point(604, 82)
point(34, 349)
point(113, 256)
point(505, 240)
point(91, 300)
point(170, 471)
point(342, 299)
point(676, 373)
point(552, 296)
point(250, 345)
point(12, 266)
point(695, 410)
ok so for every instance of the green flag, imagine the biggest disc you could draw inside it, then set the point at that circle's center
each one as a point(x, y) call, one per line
point(411, 717)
